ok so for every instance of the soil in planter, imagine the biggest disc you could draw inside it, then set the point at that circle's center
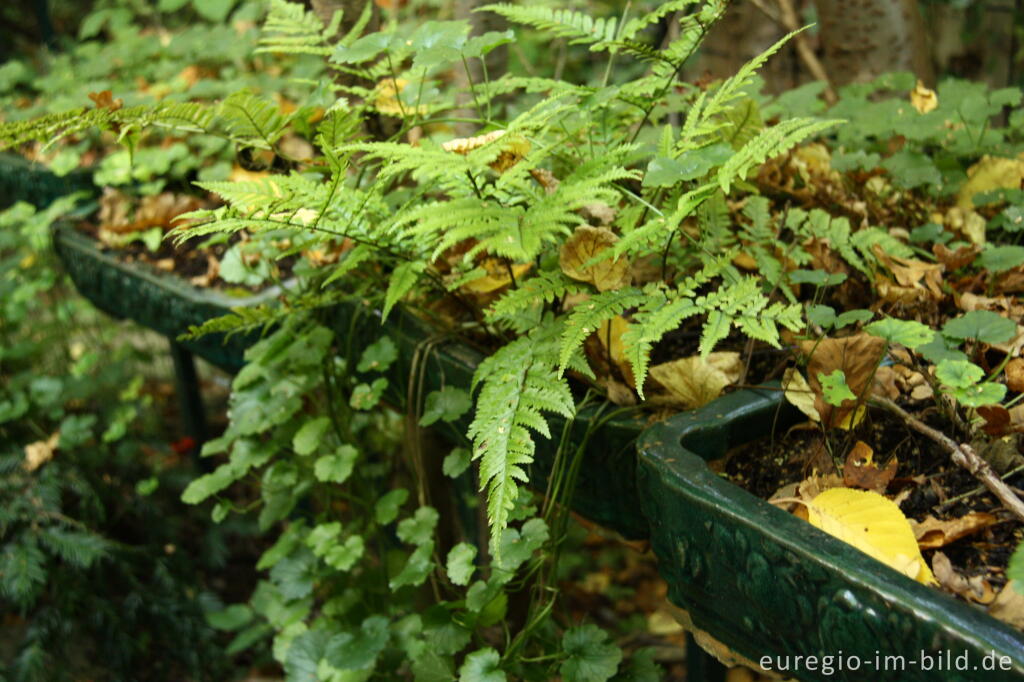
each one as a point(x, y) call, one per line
point(926, 484)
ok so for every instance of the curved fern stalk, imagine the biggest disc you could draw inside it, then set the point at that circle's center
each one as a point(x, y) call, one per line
point(517, 384)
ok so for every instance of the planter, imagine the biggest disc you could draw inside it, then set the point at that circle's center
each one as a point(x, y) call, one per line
point(768, 584)
point(758, 579)
point(23, 180)
point(162, 302)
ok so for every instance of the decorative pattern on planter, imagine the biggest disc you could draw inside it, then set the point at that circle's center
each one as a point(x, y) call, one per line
point(768, 584)
point(22, 180)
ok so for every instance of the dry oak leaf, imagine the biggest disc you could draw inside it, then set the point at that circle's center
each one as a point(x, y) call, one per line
point(991, 172)
point(974, 589)
point(857, 356)
point(105, 100)
point(874, 525)
point(1009, 605)
point(999, 421)
point(913, 273)
point(933, 533)
point(861, 471)
point(39, 453)
point(693, 382)
point(582, 247)
point(923, 99)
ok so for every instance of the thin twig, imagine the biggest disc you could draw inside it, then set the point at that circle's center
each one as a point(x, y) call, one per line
point(787, 18)
point(963, 455)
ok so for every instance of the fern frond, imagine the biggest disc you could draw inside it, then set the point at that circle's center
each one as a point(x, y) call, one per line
point(588, 316)
point(292, 29)
point(580, 28)
point(76, 547)
point(655, 318)
point(545, 287)
point(768, 143)
point(634, 26)
point(517, 384)
point(253, 120)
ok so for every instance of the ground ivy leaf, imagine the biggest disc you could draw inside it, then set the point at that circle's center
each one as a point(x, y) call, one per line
point(309, 434)
point(431, 666)
point(447, 404)
point(232, 618)
point(386, 509)
point(980, 394)
point(337, 467)
point(903, 332)
point(343, 557)
point(591, 657)
point(358, 650)
point(456, 462)
point(460, 563)
point(416, 569)
point(852, 317)
point(378, 356)
point(822, 315)
point(1001, 258)
point(324, 537)
point(518, 546)
point(938, 350)
point(958, 373)
point(981, 325)
point(482, 666)
point(366, 396)
point(834, 388)
point(419, 528)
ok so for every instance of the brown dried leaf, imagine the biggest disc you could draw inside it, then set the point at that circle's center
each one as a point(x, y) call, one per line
point(954, 260)
point(932, 532)
point(974, 589)
point(585, 244)
point(1009, 605)
point(861, 471)
point(105, 100)
point(814, 485)
point(1015, 375)
point(693, 382)
point(913, 274)
point(857, 356)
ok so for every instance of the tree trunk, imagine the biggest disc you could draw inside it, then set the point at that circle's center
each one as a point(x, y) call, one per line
point(865, 38)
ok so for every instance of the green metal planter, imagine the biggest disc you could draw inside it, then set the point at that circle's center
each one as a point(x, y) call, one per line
point(770, 585)
point(752, 576)
point(22, 180)
point(160, 301)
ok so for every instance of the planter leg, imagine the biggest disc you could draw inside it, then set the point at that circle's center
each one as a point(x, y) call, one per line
point(190, 400)
point(700, 665)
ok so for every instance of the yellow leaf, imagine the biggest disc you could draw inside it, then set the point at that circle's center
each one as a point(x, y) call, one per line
point(693, 382)
point(923, 99)
point(610, 335)
point(799, 393)
point(990, 173)
point(39, 453)
point(874, 525)
point(583, 246)
point(497, 276)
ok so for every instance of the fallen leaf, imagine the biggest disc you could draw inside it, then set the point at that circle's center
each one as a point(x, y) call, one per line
point(954, 260)
point(990, 173)
point(923, 99)
point(975, 589)
point(1009, 605)
point(967, 222)
point(912, 273)
point(857, 356)
point(933, 533)
point(997, 419)
point(814, 485)
point(799, 393)
point(874, 525)
point(584, 245)
point(861, 471)
point(497, 276)
point(693, 382)
point(610, 335)
point(105, 100)
point(662, 623)
point(39, 453)
point(1015, 375)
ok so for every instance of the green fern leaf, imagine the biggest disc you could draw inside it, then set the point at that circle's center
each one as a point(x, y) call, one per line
point(588, 316)
point(561, 23)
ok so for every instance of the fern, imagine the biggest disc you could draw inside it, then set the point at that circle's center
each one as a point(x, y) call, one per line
point(292, 29)
point(768, 143)
point(252, 120)
point(580, 28)
point(588, 316)
point(517, 384)
point(545, 287)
